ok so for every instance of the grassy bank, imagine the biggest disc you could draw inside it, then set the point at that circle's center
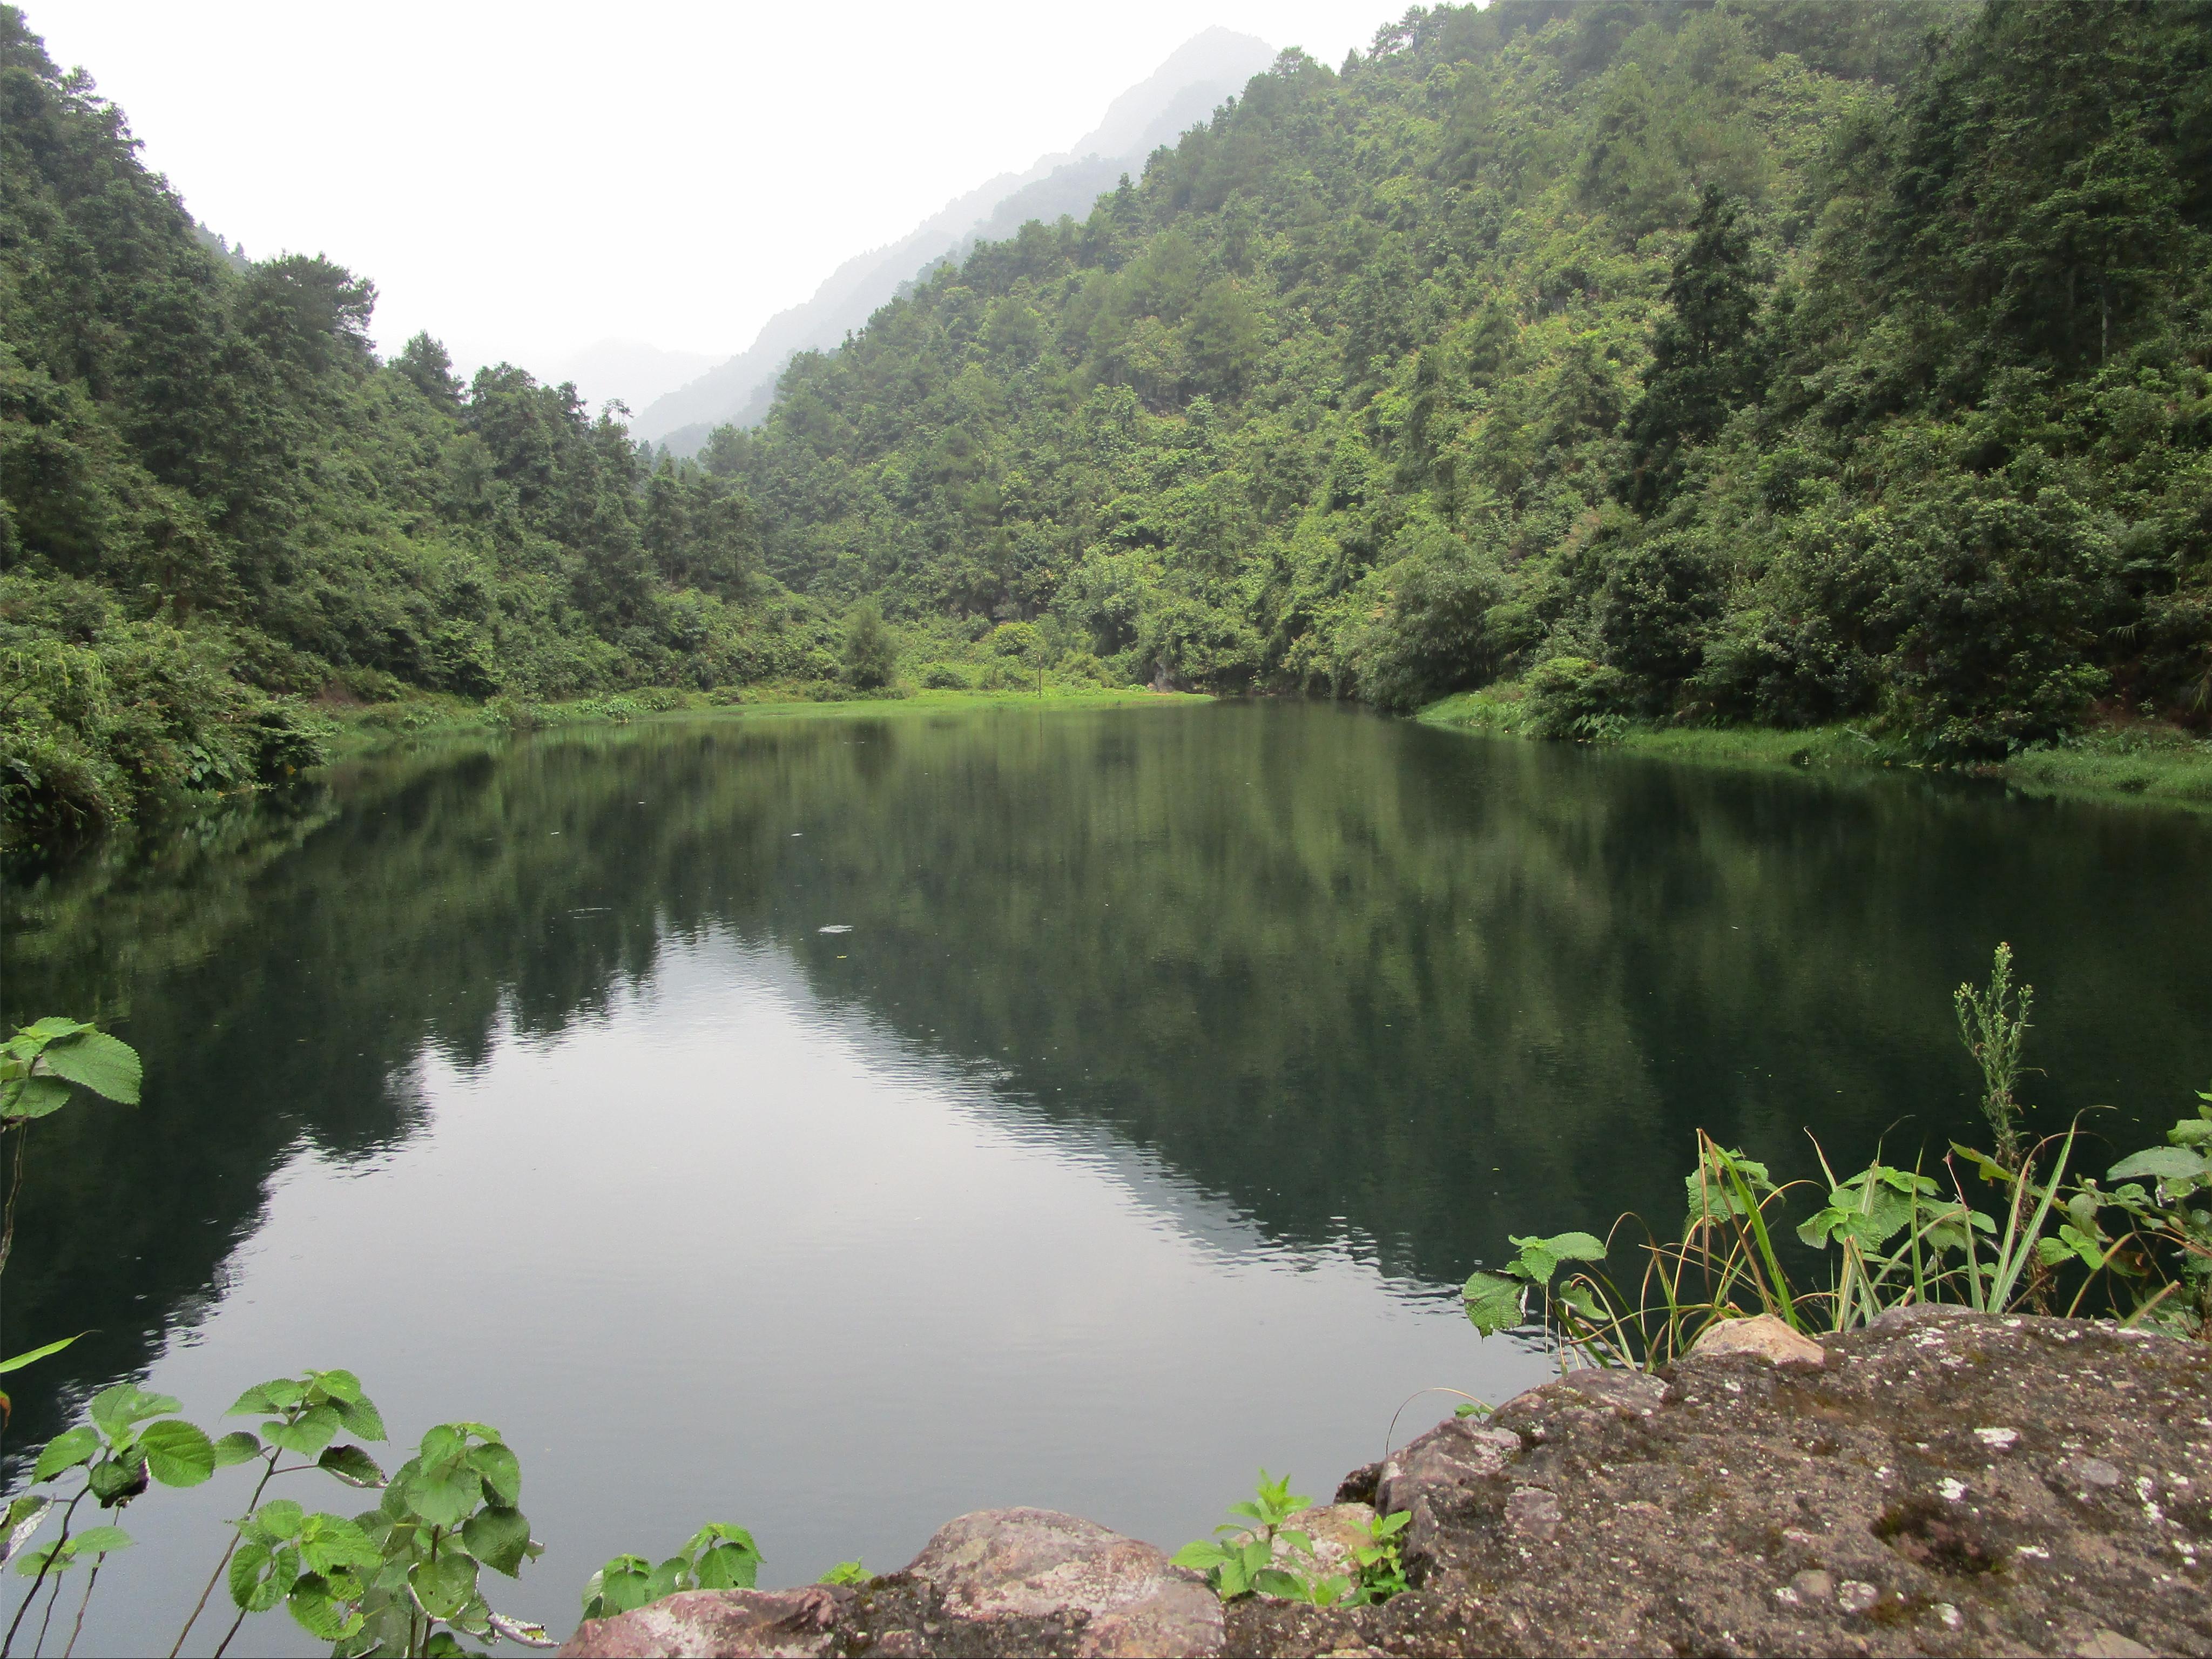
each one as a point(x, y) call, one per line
point(2118, 761)
point(359, 729)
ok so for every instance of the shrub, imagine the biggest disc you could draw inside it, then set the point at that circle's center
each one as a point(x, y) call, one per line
point(1568, 696)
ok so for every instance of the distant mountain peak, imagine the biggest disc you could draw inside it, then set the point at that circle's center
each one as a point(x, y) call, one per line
point(1212, 65)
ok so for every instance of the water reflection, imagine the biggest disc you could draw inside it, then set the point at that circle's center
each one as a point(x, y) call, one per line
point(1173, 1066)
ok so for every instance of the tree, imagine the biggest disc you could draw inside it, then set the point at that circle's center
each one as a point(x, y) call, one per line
point(1705, 361)
point(871, 653)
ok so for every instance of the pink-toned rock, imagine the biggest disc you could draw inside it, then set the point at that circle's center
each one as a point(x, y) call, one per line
point(1037, 1563)
point(1337, 1530)
point(1763, 1335)
point(800, 1624)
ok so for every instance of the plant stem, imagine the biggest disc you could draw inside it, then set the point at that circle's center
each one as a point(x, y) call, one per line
point(77, 1629)
point(14, 1192)
point(215, 1576)
point(53, 1596)
point(45, 1567)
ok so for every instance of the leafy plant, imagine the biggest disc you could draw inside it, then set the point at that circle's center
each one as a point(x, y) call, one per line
point(1993, 1025)
point(718, 1556)
point(41, 1065)
point(1381, 1570)
point(845, 1572)
point(1243, 1560)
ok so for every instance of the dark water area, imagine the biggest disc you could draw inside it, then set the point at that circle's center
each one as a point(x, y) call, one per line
point(834, 1124)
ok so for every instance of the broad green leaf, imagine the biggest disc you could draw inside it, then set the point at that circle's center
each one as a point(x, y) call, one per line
point(443, 1444)
point(260, 1578)
point(443, 1501)
point(444, 1645)
point(306, 1434)
point(728, 1566)
point(93, 1060)
point(237, 1448)
point(50, 1029)
point(1273, 1581)
point(101, 1541)
point(620, 1586)
point(330, 1542)
point(845, 1572)
point(1200, 1556)
point(254, 1402)
point(2192, 1131)
point(177, 1453)
point(117, 1480)
point(361, 1417)
point(2162, 1163)
point(117, 1408)
point(342, 1388)
point(1386, 1526)
point(66, 1451)
point(445, 1586)
point(36, 1097)
point(501, 1471)
point(276, 1522)
point(1494, 1302)
point(351, 1465)
point(48, 1559)
point(23, 1359)
point(1541, 1258)
point(498, 1536)
point(321, 1612)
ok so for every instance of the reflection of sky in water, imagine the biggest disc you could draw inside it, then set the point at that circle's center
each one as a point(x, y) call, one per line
point(725, 1253)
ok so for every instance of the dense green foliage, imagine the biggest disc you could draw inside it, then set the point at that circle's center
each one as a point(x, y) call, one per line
point(214, 500)
point(1782, 361)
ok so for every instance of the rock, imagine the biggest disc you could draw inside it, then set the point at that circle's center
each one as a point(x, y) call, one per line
point(1729, 1504)
point(800, 1624)
point(1813, 1585)
point(999, 1564)
point(2111, 1644)
point(1762, 1334)
point(1337, 1529)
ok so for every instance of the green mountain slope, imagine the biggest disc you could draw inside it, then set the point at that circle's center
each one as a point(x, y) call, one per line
point(214, 500)
point(1768, 359)
point(1782, 360)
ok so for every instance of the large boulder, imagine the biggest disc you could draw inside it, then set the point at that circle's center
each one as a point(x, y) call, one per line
point(1942, 1483)
point(785, 1624)
point(999, 1582)
point(1031, 1564)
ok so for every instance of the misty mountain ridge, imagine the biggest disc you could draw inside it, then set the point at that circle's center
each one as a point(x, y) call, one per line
point(1182, 92)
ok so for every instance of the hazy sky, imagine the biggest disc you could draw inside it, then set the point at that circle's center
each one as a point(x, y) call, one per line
point(525, 180)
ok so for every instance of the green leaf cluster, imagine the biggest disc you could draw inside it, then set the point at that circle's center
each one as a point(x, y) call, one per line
point(719, 1556)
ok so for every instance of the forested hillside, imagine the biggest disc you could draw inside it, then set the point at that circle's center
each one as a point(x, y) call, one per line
point(1780, 360)
point(1769, 360)
point(215, 500)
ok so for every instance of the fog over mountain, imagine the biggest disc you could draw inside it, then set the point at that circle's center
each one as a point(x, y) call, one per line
point(1184, 91)
point(630, 372)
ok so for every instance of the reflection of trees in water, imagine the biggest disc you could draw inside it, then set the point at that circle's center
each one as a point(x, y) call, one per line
point(1334, 969)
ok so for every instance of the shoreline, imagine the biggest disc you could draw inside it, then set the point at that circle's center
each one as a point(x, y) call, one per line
point(2148, 765)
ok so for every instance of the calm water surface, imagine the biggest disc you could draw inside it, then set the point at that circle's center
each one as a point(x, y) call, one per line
point(837, 1124)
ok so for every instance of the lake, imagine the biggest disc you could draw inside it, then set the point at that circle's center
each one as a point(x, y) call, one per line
point(834, 1124)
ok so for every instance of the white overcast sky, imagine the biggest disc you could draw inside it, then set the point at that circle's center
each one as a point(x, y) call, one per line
point(526, 179)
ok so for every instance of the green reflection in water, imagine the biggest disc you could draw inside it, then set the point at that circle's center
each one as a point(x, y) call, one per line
point(1367, 981)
